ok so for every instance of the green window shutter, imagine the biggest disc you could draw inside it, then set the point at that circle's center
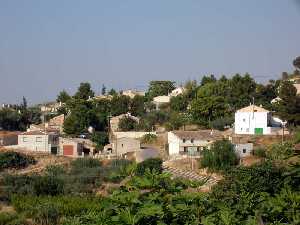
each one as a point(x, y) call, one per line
point(259, 131)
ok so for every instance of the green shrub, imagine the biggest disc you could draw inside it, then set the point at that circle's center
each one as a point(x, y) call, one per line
point(47, 214)
point(220, 156)
point(149, 138)
point(260, 152)
point(222, 123)
point(33, 185)
point(55, 170)
point(9, 160)
point(152, 164)
point(18, 184)
point(83, 163)
point(280, 151)
point(66, 205)
point(12, 219)
point(48, 185)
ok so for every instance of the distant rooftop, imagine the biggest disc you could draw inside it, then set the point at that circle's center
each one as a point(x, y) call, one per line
point(199, 135)
point(253, 108)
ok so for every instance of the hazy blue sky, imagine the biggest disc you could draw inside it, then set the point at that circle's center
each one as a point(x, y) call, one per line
point(47, 46)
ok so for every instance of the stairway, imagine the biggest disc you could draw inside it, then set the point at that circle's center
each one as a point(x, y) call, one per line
point(188, 174)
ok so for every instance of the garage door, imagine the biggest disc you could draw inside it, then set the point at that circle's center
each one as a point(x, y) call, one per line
point(68, 149)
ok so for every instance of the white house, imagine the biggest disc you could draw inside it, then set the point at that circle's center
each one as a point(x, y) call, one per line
point(177, 91)
point(39, 141)
point(160, 100)
point(255, 120)
point(243, 149)
point(132, 93)
point(193, 142)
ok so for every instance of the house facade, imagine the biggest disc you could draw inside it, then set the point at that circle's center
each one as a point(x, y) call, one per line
point(243, 149)
point(177, 91)
point(76, 147)
point(39, 141)
point(132, 93)
point(160, 100)
point(122, 146)
point(255, 120)
point(191, 142)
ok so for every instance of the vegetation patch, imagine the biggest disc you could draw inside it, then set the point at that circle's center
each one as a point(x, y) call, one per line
point(15, 160)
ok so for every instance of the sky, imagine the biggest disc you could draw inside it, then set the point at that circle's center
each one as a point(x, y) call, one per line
point(48, 46)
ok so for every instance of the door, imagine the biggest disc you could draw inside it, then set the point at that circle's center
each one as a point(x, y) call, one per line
point(54, 150)
point(68, 150)
point(259, 131)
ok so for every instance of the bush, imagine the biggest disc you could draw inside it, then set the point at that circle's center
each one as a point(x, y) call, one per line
point(152, 164)
point(260, 152)
point(33, 185)
point(18, 184)
point(15, 160)
point(66, 205)
point(220, 156)
point(280, 151)
point(127, 124)
point(47, 214)
point(48, 185)
point(100, 138)
point(149, 138)
point(12, 219)
point(221, 123)
point(85, 173)
point(83, 163)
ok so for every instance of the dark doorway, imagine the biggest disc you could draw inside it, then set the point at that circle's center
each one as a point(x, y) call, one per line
point(54, 150)
point(86, 152)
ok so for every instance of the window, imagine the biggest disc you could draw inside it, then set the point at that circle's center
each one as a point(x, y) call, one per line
point(122, 145)
point(38, 139)
point(247, 129)
point(25, 139)
point(185, 149)
point(192, 140)
point(244, 150)
point(244, 120)
point(183, 140)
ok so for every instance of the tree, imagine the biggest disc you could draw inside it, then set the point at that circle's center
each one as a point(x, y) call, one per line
point(112, 92)
point(103, 90)
point(24, 104)
point(151, 164)
point(208, 79)
point(289, 106)
point(127, 124)
point(9, 119)
point(296, 62)
point(190, 89)
point(179, 103)
point(158, 88)
point(84, 91)
point(206, 109)
point(137, 105)
point(220, 156)
point(120, 104)
point(101, 139)
point(176, 121)
point(63, 97)
point(80, 118)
